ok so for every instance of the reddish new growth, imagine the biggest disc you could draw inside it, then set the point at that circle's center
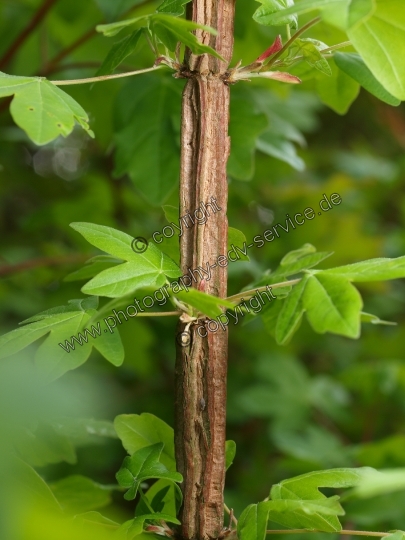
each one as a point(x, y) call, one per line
point(273, 49)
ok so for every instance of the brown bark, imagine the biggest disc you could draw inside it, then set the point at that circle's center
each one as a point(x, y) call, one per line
point(201, 366)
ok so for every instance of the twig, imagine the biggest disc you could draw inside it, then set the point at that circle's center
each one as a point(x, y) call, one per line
point(92, 32)
point(34, 22)
point(291, 41)
point(105, 77)
point(309, 531)
point(231, 515)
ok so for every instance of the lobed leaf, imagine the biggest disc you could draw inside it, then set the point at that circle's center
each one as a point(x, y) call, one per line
point(143, 465)
point(42, 109)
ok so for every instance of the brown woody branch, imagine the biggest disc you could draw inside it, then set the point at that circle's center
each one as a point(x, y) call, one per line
point(31, 26)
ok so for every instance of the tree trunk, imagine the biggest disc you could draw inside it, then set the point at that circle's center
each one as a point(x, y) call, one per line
point(201, 366)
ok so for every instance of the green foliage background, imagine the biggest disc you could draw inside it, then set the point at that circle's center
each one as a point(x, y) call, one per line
point(322, 401)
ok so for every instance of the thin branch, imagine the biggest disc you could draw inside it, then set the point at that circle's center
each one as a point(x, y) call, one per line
point(34, 22)
point(105, 77)
point(348, 532)
point(291, 40)
point(231, 514)
point(53, 63)
point(248, 294)
point(92, 32)
point(44, 261)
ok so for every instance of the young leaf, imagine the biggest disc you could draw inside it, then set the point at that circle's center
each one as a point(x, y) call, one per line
point(139, 430)
point(80, 494)
point(311, 50)
point(332, 305)
point(373, 319)
point(142, 465)
point(173, 7)
point(377, 31)
point(205, 303)
point(141, 269)
point(237, 238)
point(291, 313)
point(353, 65)
point(41, 109)
point(230, 451)
point(372, 270)
point(171, 30)
point(264, 14)
point(137, 526)
point(119, 51)
point(279, 16)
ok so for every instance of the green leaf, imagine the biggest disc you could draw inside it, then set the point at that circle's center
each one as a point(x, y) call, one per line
point(68, 345)
point(379, 483)
point(265, 13)
point(377, 31)
point(353, 65)
point(311, 49)
point(272, 145)
point(173, 7)
point(372, 270)
point(29, 484)
point(41, 109)
point(84, 431)
point(119, 51)
point(147, 117)
point(44, 445)
point(141, 269)
point(230, 451)
point(291, 313)
point(278, 18)
point(252, 523)
point(163, 496)
point(339, 91)
point(246, 124)
point(237, 238)
point(397, 535)
point(80, 494)
point(333, 305)
point(373, 319)
point(114, 28)
point(297, 254)
point(93, 267)
point(204, 303)
point(306, 488)
point(18, 339)
point(139, 430)
point(171, 30)
point(293, 513)
point(95, 518)
point(142, 465)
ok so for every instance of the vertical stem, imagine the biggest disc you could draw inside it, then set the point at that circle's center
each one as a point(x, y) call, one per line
point(201, 366)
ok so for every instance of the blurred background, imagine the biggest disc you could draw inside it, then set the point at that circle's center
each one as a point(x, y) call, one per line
point(322, 401)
